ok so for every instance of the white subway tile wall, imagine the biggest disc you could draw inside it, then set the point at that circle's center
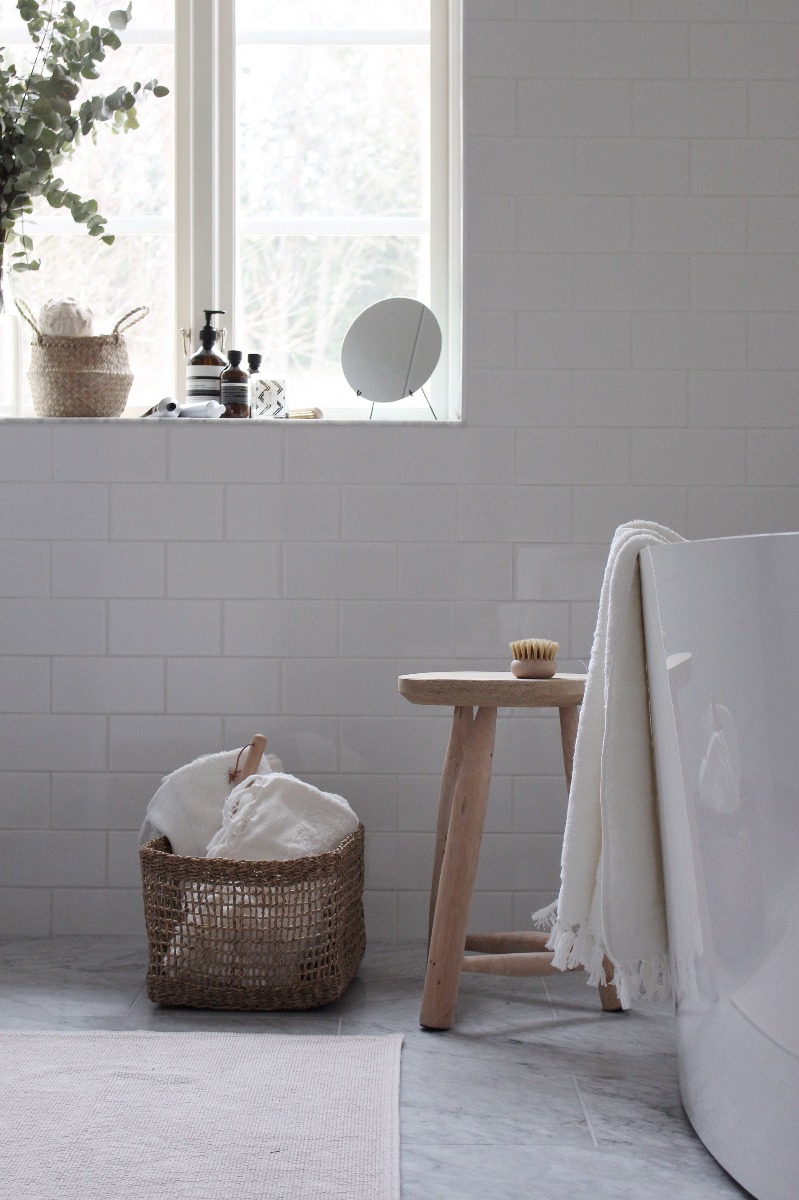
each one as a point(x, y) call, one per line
point(631, 350)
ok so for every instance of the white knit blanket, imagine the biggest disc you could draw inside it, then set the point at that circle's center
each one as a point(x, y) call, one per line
point(611, 901)
point(278, 817)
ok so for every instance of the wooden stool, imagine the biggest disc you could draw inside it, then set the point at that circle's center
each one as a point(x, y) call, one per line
point(461, 814)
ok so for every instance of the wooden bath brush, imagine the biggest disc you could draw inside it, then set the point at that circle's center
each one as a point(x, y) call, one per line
point(534, 658)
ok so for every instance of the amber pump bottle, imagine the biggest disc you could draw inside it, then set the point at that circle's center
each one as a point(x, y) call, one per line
point(204, 368)
point(235, 388)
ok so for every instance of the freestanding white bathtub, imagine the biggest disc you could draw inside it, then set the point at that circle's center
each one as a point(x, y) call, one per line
point(722, 638)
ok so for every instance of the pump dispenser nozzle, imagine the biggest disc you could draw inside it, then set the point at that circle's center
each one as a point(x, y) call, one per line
point(208, 332)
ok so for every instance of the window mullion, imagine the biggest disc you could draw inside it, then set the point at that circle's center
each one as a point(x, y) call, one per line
point(226, 147)
point(445, 216)
point(205, 164)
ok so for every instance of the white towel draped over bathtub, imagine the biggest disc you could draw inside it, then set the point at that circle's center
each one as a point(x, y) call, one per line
point(611, 900)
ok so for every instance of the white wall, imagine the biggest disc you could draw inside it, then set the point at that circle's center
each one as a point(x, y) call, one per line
point(632, 224)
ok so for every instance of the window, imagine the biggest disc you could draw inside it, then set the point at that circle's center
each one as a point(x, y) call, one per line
point(316, 149)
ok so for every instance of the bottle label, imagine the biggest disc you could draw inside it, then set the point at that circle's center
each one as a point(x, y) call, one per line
point(202, 383)
point(235, 393)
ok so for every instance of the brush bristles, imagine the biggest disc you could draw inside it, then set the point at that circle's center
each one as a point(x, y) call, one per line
point(534, 648)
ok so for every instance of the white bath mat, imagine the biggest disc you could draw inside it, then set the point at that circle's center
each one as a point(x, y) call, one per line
point(198, 1116)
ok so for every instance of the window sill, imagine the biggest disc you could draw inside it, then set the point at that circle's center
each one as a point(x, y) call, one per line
point(339, 422)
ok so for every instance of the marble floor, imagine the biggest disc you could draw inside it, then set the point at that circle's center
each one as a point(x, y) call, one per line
point(535, 1093)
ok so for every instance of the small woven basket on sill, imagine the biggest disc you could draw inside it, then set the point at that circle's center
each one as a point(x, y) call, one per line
point(253, 935)
point(81, 376)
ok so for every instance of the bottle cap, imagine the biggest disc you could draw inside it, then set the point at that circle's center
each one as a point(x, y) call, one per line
point(234, 357)
point(254, 362)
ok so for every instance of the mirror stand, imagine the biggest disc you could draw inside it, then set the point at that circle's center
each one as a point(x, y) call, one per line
point(421, 389)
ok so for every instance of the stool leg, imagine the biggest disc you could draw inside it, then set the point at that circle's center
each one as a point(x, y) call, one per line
point(458, 870)
point(461, 723)
point(608, 996)
point(569, 719)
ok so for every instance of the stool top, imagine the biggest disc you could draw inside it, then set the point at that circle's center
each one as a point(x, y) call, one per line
point(491, 689)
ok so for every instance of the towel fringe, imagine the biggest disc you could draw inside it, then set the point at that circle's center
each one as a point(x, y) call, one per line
point(651, 979)
point(576, 946)
point(545, 918)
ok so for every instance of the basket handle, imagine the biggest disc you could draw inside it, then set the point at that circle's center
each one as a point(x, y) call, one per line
point(138, 314)
point(27, 315)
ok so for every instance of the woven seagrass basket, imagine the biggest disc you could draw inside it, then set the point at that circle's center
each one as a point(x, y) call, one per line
point(81, 376)
point(253, 935)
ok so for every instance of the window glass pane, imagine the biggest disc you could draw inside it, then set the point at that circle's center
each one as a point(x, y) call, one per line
point(147, 14)
point(333, 131)
point(301, 294)
point(130, 176)
point(333, 182)
point(341, 14)
point(151, 14)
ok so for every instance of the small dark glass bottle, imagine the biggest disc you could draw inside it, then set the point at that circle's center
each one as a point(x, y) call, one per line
point(235, 384)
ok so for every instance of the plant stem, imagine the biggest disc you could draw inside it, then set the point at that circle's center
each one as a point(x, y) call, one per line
point(16, 135)
point(47, 33)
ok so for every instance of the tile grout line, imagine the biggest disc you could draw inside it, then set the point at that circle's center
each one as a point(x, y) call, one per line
point(549, 999)
point(585, 1111)
point(141, 992)
point(586, 1116)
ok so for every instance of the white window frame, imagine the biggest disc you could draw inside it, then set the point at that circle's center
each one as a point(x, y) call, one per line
point(205, 198)
point(204, 39)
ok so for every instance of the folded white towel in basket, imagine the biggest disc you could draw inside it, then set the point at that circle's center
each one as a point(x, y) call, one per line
point(277, 817)
point(611, 899)
point(187, 808)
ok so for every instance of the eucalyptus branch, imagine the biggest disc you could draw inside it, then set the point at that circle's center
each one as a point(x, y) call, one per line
point(40, 43)
point(43, 117)
point(40, 47)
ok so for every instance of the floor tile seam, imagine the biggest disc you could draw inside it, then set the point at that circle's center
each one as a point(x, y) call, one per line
point(141, 992)
point(494, 1042)
point(408, 1143)
point(586, 1115)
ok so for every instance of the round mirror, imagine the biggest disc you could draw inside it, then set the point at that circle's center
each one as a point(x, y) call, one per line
point(391, 350)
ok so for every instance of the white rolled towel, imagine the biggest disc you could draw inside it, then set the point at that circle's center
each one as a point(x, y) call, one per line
point(278, 817)
point(188, 806)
